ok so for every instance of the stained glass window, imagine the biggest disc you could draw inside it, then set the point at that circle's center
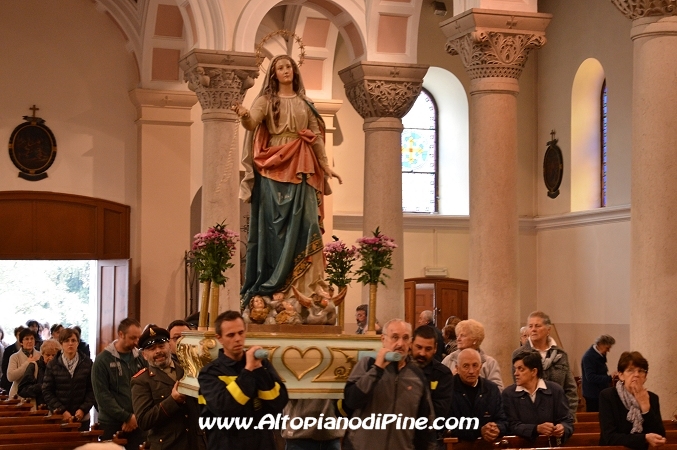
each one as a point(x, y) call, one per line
point(419, 156)
point(603, 134)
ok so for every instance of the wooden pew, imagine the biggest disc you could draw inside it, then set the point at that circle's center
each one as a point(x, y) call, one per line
point(23, 413)
point(17, 407)
point(40, 428)
point(516, 442)
point(31, 420)
point(50, 445)
point(587, 417)
point(52, 437)
point(593, 427)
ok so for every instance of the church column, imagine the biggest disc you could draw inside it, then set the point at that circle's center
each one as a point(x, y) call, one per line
point(221, 79)
point(382, 93)
point(494, 46)
point(653, 273)
point(163, 123)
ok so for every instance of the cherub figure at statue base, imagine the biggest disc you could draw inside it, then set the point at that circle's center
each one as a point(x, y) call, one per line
point(320, 307)
point(287, 314)
point(259, 311)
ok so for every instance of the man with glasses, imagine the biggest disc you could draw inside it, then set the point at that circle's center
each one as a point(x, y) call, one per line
point(175, 329)
point(377, 387)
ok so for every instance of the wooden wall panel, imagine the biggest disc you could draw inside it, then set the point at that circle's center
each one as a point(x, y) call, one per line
point(65, 227)
point(49, 225)
point(16, 218)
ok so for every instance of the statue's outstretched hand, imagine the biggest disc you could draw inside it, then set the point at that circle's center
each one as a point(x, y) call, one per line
point(333, 174)
point(240, 110)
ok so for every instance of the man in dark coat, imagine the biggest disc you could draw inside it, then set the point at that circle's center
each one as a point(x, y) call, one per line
point(170, 417)
point(238, 385)
point(535, 406)
point(476, 397)
point(596, 376)
point(423, 349)
point(426, 318)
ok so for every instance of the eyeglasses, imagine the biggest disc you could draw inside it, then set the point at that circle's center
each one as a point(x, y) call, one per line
point(397, 337)
point(635, 371)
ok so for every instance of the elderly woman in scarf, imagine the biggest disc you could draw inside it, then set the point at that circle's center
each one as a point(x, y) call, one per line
point(629, 415)
point(286, 178)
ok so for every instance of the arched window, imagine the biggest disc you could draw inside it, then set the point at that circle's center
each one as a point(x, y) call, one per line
point(587, 136)
point(419, 156)
point(603, 133)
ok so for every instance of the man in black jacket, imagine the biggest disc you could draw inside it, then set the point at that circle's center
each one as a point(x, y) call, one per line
point(426, 318)
point(476, 398)
point(237, 385)
point(423, 348)
point(596, 376)
point(169, 417)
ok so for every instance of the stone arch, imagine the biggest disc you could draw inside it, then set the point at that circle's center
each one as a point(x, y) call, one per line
point(348, 17)
point(586, 136)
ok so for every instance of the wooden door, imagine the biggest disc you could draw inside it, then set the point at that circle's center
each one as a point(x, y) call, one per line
point(113, 298)
point(451, 300)
point(410, 303)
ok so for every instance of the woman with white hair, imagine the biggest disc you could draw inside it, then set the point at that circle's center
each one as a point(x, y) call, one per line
point(470, 334)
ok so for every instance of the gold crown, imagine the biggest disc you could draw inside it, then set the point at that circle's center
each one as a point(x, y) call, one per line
point(286, 34)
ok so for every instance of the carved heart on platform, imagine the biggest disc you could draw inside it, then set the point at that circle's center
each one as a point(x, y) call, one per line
point(299, 363)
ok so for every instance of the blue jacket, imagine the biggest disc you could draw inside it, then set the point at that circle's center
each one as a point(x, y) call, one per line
point(595, 373)
point(488, 407)
point(524, 416)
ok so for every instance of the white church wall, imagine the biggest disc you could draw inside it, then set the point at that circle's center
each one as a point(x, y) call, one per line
point(70, 60)
point(584, 284)
point(579, 30)
point(80, 82)
point(583, 271)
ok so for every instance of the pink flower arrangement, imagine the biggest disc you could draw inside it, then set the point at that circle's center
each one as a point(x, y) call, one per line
point(211, 253)
point(339, 262)
point(376, 254)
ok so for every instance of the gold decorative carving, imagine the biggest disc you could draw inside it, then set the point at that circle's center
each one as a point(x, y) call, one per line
point(300, 366)
point(341, 364)
point(194, 357)
point(635, 9)
point(494, 54)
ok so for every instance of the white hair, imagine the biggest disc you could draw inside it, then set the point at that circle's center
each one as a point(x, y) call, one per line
point(391, 321)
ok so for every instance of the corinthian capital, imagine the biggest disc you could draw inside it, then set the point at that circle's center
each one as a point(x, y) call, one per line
point(636, 9)
point(382, 89)
point(493, 43)
point(219, 79)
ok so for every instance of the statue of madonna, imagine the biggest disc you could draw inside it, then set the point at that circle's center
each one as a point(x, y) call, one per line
point(286, 179)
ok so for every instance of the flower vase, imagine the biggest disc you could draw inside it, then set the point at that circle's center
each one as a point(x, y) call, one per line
point(213, 304)
point(371, 328)
point(204, 305)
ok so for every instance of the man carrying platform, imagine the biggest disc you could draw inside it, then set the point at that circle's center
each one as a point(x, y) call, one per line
point(237, 385)
point(170, 418)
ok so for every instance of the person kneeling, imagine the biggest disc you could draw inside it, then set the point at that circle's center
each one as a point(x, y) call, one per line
point(534, 406)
